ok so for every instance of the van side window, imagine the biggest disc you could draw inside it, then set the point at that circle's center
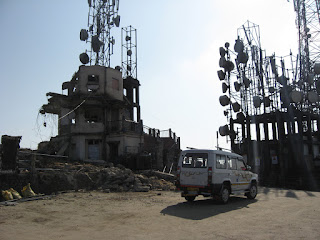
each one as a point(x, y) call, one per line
point(221, 162)
point(241, 165)
point(195, 160)
point(232, 163)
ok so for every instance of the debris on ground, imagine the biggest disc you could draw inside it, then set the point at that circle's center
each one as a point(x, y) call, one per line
point(57, 176)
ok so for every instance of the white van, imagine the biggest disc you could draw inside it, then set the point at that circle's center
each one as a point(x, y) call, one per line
point(214, 173)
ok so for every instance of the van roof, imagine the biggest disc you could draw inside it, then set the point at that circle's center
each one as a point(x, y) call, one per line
point(212, 151)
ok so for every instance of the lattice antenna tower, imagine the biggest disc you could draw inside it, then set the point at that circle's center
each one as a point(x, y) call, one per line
point(255, 84)
point(102, 17)
point(249, 66)
point(129, 52)
point(244, 84)
point(308, 24)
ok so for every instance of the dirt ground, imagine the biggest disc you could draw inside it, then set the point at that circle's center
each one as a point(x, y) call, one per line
point(274, 214)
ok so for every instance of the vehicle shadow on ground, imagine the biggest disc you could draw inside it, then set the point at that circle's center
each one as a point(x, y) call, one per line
point(201, 209)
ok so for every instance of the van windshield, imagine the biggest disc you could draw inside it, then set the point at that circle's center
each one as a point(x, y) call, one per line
point(195, 160)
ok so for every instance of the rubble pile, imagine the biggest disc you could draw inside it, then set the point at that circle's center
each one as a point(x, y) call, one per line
point(75, 176)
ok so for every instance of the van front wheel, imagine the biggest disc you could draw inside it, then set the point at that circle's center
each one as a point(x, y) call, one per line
point(252, 191)
point(190, 198)
point(225, 194)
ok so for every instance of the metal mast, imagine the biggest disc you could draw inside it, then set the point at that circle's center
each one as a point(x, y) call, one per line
point(102, 17)
point(308, 24)
point(129, 52)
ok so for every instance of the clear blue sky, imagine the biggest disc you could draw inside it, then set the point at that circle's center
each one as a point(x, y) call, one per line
point(178, 54)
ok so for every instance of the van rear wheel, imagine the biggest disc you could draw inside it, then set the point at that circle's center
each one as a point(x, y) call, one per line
point(190, 198)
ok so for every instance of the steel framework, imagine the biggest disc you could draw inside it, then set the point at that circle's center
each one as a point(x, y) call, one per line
point(102, 17)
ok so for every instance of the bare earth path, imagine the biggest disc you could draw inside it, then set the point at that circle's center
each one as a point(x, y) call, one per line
point(275, 214)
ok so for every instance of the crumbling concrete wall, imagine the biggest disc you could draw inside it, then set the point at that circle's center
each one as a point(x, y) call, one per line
point(108, 81)
point(10, 147)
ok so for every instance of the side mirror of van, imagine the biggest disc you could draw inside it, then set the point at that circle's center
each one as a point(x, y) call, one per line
point(249, 168)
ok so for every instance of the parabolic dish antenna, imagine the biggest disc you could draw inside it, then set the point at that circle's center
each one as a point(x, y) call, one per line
point(313, 97)
point(296, 96)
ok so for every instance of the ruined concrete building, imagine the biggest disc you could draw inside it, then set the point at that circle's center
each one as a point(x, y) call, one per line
point(99, 119)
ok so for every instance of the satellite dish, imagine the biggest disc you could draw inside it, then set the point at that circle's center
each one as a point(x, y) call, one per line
point(256, 101)
point(221, 75)
point(242, 57)
point(238, 46)
point(313, 97)
point(296, 96)
point(84, 35)
point(284, 95)
point(96, 43)
point(229, 66)
point(236, 107)
point(84, 58)
point(232, 134)
point(91, 28)
point(237, 86)
point(222, 52)
point(246, 81)
point(226, 64)
point(224, 130)
point(267, 102)
point(116, 21)
point(240, 117)
point(310, 79)
point(224, 100)
point(224, 87)
point(282, 80)
point(222, 62)
point(316, 68)
point(129, 52)
point(227, 45)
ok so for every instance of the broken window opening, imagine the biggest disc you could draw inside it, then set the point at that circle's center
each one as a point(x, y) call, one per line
point(93, 82)
point(135, 114)
point(93, 79)
point(115, 120)
point(134, 98)
point(113, 150)
point(93, 116)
